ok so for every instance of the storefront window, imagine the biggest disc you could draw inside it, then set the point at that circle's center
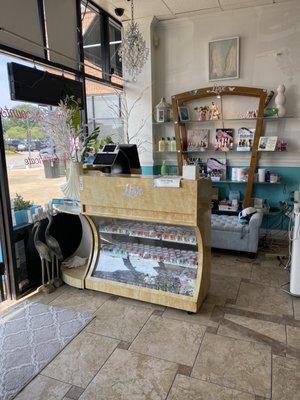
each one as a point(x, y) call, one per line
point(115, 40)
point(92, 40)
point(102, 38)
point(104, 110)
point(35, 171)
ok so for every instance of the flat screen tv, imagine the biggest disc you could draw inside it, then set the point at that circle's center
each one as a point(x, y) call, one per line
point(36, 86)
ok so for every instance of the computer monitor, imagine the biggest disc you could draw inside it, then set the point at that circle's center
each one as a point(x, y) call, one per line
point(131, 152)
point(109, 148)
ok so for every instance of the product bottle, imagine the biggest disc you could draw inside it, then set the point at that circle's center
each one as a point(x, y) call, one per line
point(162, 145)
point(164, 168)
point(173, 144)
point(168, 144)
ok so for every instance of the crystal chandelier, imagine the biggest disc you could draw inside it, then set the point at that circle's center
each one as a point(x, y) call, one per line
point(133, 51)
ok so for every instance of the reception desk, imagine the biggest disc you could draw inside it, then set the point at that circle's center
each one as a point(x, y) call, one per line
point(148, 243)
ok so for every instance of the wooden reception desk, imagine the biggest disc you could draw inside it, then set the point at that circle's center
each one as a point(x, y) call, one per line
point(150, 244)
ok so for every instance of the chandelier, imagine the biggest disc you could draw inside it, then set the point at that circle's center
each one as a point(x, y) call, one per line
point(133, 51)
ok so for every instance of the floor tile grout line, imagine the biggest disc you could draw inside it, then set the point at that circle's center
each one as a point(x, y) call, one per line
point(203, 324)
point(271, 375)
point(170, 388)
point(99, 370)
point(151, 315)
point(276, 319)
point(222, 386)
point(202, 339)
point(238, 326)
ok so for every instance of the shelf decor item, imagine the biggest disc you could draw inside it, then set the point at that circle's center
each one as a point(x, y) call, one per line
point(267, 143)
point(280, 100)
point(223, 59)
point(197, 139)
point(245, 139)
point(184, 114)
point(133, 50)
point(163, 111)
point(224, 140)
point(202, 112)
point(214, 112)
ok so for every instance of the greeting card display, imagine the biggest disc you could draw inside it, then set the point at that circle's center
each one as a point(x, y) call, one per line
point(224, 139)
point(267, 143)
point(216, 169)
point(245, 139)
point(197, 139)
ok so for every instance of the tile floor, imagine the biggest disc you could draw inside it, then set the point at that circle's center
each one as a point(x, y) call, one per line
point(244, 344)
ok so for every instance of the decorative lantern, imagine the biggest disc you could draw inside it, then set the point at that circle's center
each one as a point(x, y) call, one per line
point(163, 111)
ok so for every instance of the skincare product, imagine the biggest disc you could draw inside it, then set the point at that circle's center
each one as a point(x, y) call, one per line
point(164, 168)
point(162, 145)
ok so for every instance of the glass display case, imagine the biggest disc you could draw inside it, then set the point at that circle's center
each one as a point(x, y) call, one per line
point(157, 256)
point(148, 243)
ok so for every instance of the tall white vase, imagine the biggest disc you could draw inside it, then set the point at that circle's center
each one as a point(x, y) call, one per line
point(280, 100)
point(71, 188)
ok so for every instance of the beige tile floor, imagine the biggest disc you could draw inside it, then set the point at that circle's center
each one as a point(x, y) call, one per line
point(244, 344)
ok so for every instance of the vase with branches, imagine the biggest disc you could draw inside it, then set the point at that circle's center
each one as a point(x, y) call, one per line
point(124, 110)
point(63, 125)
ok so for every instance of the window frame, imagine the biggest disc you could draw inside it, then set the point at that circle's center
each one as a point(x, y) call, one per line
point(79, 73)
point(104, 28)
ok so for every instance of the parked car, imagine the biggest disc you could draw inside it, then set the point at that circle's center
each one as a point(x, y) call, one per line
point(13, 143)
point(25, 146)
point(47, 151)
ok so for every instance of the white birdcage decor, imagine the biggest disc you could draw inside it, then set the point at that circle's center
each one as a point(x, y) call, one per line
point(133, 51)
point(163, 111)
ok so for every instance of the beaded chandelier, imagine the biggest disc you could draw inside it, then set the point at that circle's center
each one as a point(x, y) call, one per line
point(133, 51)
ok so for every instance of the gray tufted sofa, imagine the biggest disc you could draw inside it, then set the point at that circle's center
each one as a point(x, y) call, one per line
point(227, 233)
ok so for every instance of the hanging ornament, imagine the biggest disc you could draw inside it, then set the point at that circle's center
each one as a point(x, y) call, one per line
point(133, 51)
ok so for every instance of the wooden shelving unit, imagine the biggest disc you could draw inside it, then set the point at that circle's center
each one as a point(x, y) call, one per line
point(181, 132)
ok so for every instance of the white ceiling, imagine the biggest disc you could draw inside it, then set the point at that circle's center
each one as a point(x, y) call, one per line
point(166, 9)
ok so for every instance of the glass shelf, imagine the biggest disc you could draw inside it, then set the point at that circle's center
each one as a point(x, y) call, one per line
point(150, 231)
point(225, 119)
point(216, 151)
point(242, 182)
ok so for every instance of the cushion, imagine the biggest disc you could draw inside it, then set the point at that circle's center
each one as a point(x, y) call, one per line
point(228, 223)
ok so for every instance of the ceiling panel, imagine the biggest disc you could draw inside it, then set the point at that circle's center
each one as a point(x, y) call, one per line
point(180, 6)
point(165, 9)
point(142, 8)
point(234, 4)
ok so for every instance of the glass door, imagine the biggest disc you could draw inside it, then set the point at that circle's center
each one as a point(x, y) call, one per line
point(33, 172)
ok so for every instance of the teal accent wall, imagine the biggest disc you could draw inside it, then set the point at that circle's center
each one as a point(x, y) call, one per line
point(148, 170)
point(290, 179)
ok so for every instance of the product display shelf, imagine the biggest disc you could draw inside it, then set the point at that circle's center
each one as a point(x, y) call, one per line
point(245, 182)
point(213, 121)
point(130, 220)
point(151, 232)
point(183, 258)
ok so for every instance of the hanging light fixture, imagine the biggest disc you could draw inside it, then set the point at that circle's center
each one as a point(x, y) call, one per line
point(133, 51)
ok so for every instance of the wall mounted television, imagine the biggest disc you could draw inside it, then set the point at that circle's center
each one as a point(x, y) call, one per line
point(37, 86)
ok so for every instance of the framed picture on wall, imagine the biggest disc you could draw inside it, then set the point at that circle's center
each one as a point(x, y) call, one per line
point(224, 59)
point(184, 114)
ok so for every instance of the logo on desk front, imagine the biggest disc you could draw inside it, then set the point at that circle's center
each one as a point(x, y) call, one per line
point(132, 191)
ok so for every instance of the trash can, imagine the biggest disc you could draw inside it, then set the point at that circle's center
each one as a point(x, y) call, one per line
point(54, 168)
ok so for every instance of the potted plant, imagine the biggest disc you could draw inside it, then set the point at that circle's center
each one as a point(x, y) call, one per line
point(20, 209)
